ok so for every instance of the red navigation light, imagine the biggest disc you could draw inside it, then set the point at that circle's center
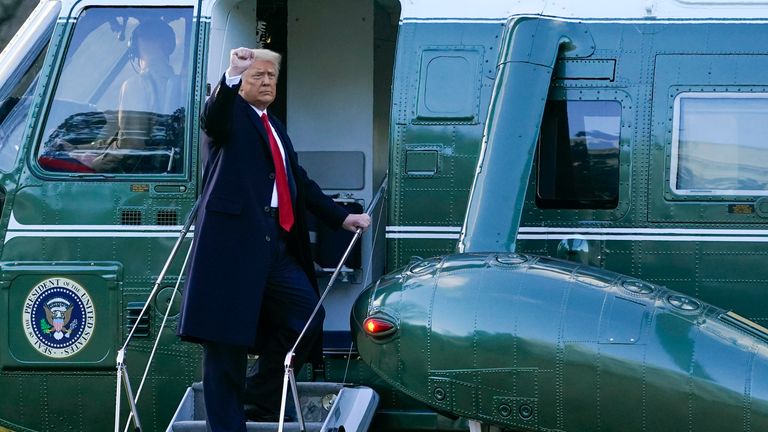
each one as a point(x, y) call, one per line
point(378, 327)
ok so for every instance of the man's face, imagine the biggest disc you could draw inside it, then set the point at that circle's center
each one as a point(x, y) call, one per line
point(259, 84)
point(150, 51)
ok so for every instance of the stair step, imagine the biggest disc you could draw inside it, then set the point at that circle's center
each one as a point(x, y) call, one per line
point(326, 407)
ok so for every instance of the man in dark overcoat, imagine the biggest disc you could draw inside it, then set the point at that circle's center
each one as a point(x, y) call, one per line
point(251, 285)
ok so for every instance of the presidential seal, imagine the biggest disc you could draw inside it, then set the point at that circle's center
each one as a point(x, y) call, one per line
point(58, 317)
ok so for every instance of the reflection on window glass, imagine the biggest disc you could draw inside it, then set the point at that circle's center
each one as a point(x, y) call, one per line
point(13, 112)
point(119, 106)
point(578, 160)
point(720, 146)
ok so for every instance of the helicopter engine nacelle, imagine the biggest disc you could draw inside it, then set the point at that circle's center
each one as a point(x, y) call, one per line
point(535, 343)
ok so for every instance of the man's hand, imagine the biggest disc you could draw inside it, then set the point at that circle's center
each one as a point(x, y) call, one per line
point(355, 221)
point(239, 60)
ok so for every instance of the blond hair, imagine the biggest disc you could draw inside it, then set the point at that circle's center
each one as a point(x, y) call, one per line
point(268, 55)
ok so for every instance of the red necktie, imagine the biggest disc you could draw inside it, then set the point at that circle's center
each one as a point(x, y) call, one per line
point(284, 205)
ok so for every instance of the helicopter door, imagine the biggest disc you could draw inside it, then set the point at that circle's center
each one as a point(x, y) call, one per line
point(109, 177)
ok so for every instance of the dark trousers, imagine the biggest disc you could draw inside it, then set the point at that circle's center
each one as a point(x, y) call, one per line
point(288, 301)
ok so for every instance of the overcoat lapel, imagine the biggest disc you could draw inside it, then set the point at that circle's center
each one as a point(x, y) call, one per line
point(256, 122)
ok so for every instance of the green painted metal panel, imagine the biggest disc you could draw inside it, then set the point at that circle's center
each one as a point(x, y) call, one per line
point(624, 321)
point(455, 137)
point(448, 88)
point(421, 162)
point(585, 69)
point(653, 67)
point(705, 74)
point(90, 293)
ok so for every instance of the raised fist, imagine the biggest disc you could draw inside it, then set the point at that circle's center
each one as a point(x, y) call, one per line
point(239, 60)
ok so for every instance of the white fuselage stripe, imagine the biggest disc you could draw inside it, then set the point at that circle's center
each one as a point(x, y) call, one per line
point(685, 231)
point(680, 238)
point(81, 234)
point(15, 225)
point(454, 20)
point(17, 229)
point(590, 20)
point(620, 234)
point(393, 229)
point(422, 236)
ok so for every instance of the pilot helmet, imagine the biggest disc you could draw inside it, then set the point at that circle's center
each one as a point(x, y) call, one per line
point(156, 30)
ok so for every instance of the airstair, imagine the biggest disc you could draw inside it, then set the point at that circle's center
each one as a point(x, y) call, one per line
point(326, 407)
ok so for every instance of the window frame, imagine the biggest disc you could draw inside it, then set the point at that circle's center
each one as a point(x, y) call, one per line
point(535, 214)
point(577, 204)
point(674, 154)
point(21, 111)
point(58, 63)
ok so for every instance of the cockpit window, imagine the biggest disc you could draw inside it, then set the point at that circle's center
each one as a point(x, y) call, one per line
point(719, 145)
point(578, 158)
point(13, 112)
point(120, 104)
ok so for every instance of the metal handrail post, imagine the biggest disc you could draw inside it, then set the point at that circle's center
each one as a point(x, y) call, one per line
point(289, 376)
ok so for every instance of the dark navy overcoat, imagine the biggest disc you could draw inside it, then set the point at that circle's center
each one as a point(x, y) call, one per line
point(227, 276)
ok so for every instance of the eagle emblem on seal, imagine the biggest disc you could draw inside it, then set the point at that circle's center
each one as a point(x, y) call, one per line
point(58, 314)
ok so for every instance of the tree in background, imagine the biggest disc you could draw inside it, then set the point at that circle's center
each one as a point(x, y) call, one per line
point(12, 16)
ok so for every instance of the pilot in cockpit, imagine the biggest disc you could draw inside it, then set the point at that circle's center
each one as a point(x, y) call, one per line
point(148, 103)
point(153, 90)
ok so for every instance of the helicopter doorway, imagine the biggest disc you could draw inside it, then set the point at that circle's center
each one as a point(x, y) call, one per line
point(334, 95)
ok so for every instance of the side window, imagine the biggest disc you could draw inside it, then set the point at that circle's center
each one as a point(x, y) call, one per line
point(119, 104)
point(13, 113)
point(578, 156)
point(714, 150)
